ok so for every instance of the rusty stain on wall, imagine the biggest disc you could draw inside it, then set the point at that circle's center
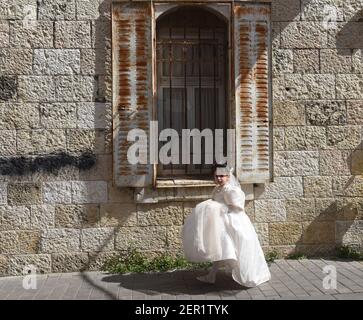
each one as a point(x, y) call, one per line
point(243, 11)
point(252, 88)
point(132, 51)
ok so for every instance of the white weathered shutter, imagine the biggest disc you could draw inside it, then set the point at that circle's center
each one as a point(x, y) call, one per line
point(132, 86)
point(251, 65)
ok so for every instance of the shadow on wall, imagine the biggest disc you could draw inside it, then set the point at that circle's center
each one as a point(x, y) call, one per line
point(340, 221)
point(101, 32)
point(336, 221)
point(348, 36)
point(8, 87)
point(319, 224)
point(52, 163)
point(333, 227)
point(344, 216)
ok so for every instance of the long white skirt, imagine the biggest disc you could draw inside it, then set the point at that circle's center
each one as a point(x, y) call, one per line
point(211, 233)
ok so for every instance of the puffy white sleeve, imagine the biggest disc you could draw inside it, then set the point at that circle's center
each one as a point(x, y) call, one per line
point(235, 199)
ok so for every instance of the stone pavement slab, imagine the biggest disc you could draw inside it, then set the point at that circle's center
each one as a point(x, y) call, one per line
point(313, 279)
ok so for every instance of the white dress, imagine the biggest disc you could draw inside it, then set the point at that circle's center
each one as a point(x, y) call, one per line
point(219, 229)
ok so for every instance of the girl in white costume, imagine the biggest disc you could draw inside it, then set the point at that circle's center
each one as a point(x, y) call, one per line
point(219, 230)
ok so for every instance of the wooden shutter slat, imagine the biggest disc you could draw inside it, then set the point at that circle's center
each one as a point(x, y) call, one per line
point(251, 25)
point(132, 86)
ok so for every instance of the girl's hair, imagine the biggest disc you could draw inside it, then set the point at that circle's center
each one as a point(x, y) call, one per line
point(218, 165)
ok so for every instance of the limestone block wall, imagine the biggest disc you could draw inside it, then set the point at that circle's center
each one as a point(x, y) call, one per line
point(317, 120)
point(59, 209)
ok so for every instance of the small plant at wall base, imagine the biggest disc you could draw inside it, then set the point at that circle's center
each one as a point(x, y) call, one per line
point(271, 256)
point(348, 252)
point(296, 256)
point(134, 261)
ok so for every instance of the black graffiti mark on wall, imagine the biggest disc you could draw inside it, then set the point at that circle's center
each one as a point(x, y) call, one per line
point(13, 166)
point(8, 87)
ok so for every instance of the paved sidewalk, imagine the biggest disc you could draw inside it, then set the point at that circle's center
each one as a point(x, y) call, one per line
point(291, 279)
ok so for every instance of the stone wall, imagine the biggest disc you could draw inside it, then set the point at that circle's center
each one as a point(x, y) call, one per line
point(317, 114)
point(59, 209)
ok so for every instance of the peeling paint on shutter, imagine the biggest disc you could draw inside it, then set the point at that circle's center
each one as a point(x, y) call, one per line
point(251, 65)
point(132, 86)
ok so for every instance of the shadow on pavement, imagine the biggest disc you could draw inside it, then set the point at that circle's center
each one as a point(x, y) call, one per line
point(175, 282)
